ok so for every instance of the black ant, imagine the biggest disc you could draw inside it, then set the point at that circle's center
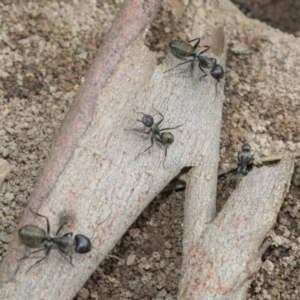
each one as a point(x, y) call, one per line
point(183, 49)
point(33, 236)
point(161, 138)
point(246, 10)
point(244, 158)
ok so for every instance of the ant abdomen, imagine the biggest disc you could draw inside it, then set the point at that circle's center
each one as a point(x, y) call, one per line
point(32, 236)
point(167, 138)
point(181, 48)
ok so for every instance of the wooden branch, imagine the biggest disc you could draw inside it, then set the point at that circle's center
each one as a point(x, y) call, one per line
point(222, 256)
point(92, 174)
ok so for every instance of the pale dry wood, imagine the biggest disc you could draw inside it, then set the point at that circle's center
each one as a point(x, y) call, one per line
point(92, 173)
point(223, 255)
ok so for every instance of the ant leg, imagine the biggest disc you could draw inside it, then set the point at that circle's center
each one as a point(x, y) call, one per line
point(66, 252)
point(170, 128)
point(138, 130)
point(162, 143)
point(166, 148)
point(166, 151)
point(150, 145)
point(47, 253)
point(60, 228)
point(66, 256)
point(62, 222)
point(202, 70)
point(205, 50)
point(48, 224)
point(68, 234)
point(160, 115)
point(159, 141)
point(190, 69)
point(188, 61)
point(197, 43)
point(147, 148)
point(216, 91)
point(35, 251)
point(239, 157)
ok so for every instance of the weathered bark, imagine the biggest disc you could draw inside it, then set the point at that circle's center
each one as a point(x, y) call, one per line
point(92, 174)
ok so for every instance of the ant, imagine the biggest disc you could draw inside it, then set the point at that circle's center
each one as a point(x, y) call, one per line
point(161, 138)
point(33, 236)
point(246, 10)
point(182, 49)
point(244, 158)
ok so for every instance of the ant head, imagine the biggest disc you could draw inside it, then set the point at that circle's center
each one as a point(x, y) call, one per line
point(167, 138)
point(82, 244)
point(217, 72)
point(246, 148)
point(147, 120)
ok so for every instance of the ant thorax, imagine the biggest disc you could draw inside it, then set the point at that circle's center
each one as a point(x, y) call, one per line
point(65, 243)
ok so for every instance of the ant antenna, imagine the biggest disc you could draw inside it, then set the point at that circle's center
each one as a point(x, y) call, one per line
point(99, 252)
point(219, 81)
point(108, 255)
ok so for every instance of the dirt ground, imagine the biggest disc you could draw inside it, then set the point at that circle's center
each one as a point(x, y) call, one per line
point(45, 50)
